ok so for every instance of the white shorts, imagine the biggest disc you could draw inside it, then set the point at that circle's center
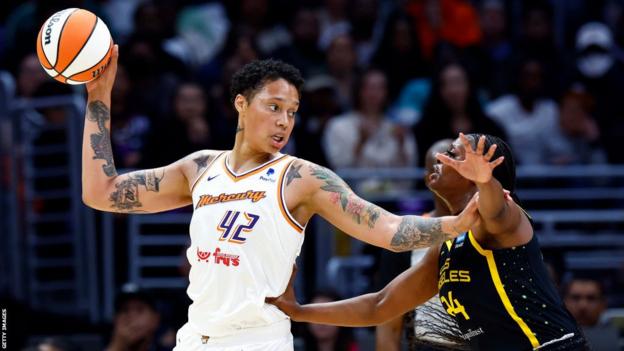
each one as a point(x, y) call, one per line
point(274, 337)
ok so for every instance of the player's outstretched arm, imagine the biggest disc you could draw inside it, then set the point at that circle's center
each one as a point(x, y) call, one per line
point(146, 191)
point(329, 196)
point(411, 288)
point(499, 213)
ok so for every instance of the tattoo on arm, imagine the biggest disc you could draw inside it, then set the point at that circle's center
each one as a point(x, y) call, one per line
point(202, 162)
point(126, 197)
point(361, 211)
point(418, 232)
point(293, 172)
point(99, 113)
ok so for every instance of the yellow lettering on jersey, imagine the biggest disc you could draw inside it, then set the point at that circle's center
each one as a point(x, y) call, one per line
point(254, 196)
point(453, 275)
point(453, 306)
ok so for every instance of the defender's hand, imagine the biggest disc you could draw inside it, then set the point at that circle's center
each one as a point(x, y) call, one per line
point(476, 166)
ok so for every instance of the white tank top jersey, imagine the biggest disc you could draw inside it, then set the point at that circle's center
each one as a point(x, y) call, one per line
point(244, 243)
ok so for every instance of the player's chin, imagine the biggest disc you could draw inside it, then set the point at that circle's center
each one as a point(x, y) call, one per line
point(275, 146)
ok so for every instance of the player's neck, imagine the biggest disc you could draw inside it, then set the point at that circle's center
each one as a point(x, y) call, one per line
point(458, 201)
point(439, 208)
point(243, 157)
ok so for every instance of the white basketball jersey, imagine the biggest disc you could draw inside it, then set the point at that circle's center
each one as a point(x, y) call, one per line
point(244, 243)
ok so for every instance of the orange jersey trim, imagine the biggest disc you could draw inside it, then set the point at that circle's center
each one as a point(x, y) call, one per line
point(282, 203)
point(236, 177)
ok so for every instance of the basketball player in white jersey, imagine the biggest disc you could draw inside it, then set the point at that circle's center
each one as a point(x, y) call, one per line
point(251, 205)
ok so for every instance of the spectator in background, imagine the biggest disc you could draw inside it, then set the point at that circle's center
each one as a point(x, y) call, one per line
point(585, 299)
point(452, 107)
point(131, 126)
point(342, 67)
point(398, 54)
point(602, 76)
point(320, 337)
point(497, 49)
point(366, 28)
point(531, 121)
point(54, 343)
point(452, 21)
point(303, 51)
point(318, 105)
point(202, 30)
point(30, 76)
point(580, 128)
point(537, 42)
point(364, 137)
point(136, 321)
point(333, 21)
point(190, 119)
point(253, 16)
point(152, 71)
point(240, 46)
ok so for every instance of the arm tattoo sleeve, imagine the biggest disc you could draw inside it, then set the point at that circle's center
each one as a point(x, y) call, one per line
point(418, 232)
point(360, 211)
point(100, 141)
point(126, 196)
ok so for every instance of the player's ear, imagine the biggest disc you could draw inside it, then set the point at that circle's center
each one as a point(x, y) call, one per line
point(240, 103)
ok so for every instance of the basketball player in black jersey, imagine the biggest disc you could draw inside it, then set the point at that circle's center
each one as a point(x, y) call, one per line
point(491, 279)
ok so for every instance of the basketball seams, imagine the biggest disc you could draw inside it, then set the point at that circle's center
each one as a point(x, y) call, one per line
point(107, 54)
point(83, 44)
point(58, 42)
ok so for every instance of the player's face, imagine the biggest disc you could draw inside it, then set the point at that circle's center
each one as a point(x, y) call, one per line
point(445, 179)
point(430, 159)
point(270, 117)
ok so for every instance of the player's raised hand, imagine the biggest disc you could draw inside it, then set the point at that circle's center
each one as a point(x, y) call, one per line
point(104, 83)
point(476, 166)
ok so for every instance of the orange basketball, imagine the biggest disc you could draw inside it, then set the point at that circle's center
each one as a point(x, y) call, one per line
point(74, 46)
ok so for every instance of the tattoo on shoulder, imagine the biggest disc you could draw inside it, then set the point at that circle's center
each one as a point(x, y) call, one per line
point(99, 113)
point(202, 161)
point(418, 232)
point(126, 196)
point(362, 212)
point(293, 172)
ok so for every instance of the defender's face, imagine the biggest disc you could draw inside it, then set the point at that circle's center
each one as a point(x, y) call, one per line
point(445, 178)
point(269, 118)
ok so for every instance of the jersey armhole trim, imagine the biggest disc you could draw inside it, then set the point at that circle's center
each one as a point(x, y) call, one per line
point(205, 171)
point(498, 284)
point(282, 201)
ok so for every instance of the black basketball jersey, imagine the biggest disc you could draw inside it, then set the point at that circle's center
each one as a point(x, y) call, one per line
point(503, 299)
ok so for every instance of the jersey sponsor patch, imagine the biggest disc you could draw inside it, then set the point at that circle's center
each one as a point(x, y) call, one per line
point(459, 242)
point(218, 257)
point(254, 196)
point(268, 176)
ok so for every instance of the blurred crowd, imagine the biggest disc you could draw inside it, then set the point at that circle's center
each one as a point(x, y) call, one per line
point(385, 79)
